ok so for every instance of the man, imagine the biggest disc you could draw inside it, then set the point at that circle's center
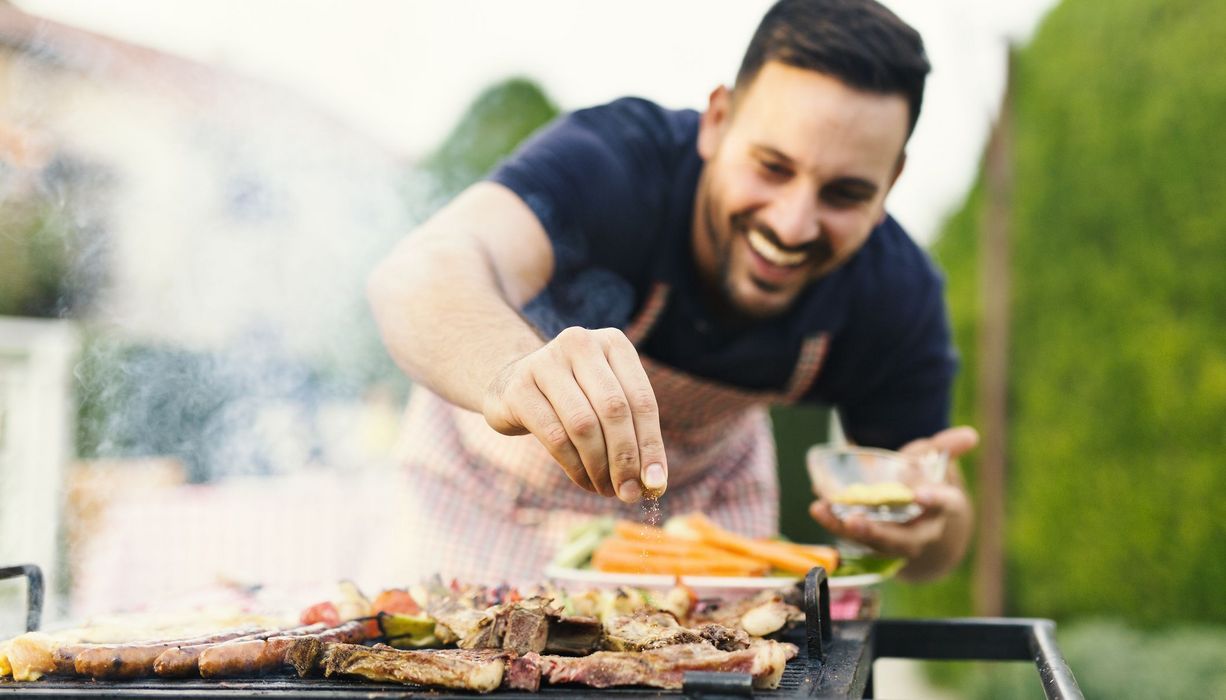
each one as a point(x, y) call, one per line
point(636, 285)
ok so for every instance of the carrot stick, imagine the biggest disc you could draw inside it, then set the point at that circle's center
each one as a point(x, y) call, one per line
point(673, 544)
point(820, 555)
point(779, 557)
point(678, 549)
point(683, 549)
point(638, 531)
point(622, 562)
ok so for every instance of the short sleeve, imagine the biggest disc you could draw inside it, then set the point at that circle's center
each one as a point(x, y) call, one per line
point(596, 179)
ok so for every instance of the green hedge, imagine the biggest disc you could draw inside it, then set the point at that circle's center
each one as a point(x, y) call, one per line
point(497, 121)
point(1118, 337)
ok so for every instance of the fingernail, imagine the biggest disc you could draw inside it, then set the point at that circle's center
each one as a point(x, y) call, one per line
point(654, 477)
point(631, 491)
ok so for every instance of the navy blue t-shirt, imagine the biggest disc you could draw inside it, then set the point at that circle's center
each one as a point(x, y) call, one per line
point(614, 188)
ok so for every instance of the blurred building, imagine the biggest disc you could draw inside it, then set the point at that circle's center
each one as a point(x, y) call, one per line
point(36, 358)
point(193, 214)
point(222, 202)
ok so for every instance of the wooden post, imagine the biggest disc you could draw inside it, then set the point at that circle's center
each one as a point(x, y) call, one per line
point(993, 380)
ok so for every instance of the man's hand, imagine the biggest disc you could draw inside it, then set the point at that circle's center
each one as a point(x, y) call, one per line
point(935, 541)
point(587, 399)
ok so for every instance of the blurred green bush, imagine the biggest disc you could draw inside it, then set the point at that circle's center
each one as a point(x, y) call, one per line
point(502, 116)
point(1118, 339)
point(53, 238)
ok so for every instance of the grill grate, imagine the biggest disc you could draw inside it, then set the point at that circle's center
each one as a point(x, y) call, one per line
point(835, 661)
point(800, 679)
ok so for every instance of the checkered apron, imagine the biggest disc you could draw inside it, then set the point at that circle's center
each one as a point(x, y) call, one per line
point(487, 507)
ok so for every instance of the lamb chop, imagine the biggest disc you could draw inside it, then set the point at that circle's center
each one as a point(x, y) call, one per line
point(530, 625)
point(764, 614)
point(646, 629)
point(481, 670)
point(665, 667)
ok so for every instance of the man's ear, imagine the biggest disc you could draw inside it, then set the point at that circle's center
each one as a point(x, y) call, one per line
point(902, 161)
point(714, 122)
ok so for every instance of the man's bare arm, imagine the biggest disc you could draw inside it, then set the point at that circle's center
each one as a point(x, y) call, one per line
point(445, 297)
point(446, 303)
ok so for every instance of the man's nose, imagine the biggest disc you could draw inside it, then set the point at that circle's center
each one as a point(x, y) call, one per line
point(793, 216)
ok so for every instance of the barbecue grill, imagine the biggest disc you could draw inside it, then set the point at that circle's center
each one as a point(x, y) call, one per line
point(835, 661)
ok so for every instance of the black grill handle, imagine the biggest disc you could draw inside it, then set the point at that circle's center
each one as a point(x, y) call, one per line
point(34, 590)
point(818, 632)
point(712, 684)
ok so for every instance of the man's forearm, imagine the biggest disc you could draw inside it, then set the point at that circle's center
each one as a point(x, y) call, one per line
point(445, 320)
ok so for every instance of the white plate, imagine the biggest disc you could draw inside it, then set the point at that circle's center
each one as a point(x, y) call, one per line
point(702, 585)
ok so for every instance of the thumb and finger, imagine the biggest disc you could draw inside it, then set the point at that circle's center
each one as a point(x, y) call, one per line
point(955, 441)
point(649, 474)
point(528, 403)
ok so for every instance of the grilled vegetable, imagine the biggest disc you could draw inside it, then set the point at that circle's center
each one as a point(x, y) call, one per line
point(408, 631)
point(324, 612)
point(395, 600)
point(581, 542)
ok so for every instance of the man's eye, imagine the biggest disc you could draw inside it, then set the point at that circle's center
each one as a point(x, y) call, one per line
point(775, 169)
point(842, 198)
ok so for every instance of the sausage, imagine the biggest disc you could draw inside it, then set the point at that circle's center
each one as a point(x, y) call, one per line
point(184, 661)
point(257, 657)
point(126, 661)
point(66, 658)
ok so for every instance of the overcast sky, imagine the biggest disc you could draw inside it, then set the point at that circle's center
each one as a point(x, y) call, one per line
point(405, 71)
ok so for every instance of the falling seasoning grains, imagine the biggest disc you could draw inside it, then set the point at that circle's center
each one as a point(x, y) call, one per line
point(650, 515)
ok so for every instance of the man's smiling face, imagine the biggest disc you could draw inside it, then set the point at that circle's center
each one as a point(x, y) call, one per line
point(798, 165)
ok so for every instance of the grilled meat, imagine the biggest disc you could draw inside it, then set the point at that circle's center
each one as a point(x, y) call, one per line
point(30, 656)
point(462, 669)
point(527, 628)
point(532, 624)
point(767, 613)
point(574, 636)
point(646, 629)
point(724, 638)
point(456, 621)
point(126, 661)
point(184, 661)
point(666, 667)
point(523, 673)
point(257, 657)
point(304, 655)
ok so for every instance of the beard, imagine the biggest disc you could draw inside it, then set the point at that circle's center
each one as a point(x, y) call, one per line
point(818, 254)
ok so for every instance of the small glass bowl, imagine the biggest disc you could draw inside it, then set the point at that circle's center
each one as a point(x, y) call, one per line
point(877, 484)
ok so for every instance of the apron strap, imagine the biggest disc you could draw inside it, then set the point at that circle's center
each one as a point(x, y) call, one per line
point(808, 366)
point(650, 313)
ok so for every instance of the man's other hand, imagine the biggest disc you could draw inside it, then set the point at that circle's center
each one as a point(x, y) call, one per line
point(587, 399)
point(936, 540)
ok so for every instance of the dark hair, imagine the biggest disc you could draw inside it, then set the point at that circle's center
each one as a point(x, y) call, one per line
point(857, 41)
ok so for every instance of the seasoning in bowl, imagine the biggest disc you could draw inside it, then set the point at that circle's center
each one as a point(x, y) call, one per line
point(877, 484)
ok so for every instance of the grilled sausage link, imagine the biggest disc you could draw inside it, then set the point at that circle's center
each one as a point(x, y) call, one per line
point(181, 662)
point(66, 658)
point(257, 657)
point(127, 661)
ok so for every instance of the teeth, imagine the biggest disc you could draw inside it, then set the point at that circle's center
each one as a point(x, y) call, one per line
point(773, 253)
